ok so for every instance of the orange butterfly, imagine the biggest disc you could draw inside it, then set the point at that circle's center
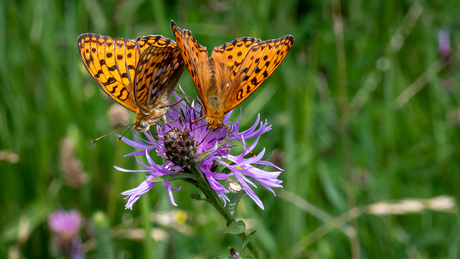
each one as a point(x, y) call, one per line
point(232, 73)
point(139, 74)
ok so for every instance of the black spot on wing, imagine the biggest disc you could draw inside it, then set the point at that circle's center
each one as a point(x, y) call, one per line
point(111, 80)
point(125, 92)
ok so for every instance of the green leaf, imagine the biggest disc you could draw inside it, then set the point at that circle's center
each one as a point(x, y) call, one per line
point(206, 154)
point(234, 200)
point(236, 227)
point(203, 156)
point(197, 196)
point(33, 216)
point(172, 177)
point(247, 240)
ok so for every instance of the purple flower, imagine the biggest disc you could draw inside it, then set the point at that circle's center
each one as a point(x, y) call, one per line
point(65, 224)
point(444, 42)
point(65, 227)
point(184, 139)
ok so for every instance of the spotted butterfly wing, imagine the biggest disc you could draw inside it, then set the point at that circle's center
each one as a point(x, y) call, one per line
point(233, 72)
point(157, 73)
point(232, 54)
point(195, 57)
point(154, 40)
point(261, 60)
point(207, 77)
point(112, 62)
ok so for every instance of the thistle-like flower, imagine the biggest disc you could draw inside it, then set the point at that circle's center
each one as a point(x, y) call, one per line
point(184, 140)
point(65, 226)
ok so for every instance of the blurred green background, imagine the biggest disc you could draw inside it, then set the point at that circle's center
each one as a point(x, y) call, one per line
point(365, 114)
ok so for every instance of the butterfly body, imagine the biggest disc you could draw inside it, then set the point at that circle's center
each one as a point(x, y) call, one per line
point(232, 73)
point(139, 74)
point(215, 82)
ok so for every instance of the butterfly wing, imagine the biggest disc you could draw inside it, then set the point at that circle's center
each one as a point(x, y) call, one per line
point(232, 54)
point(157, 73)
point(260, 62)
point(195, 57)
point(112, 63)
point(154, 40)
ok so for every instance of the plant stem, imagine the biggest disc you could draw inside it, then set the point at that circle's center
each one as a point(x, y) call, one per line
point(344, 120)
point(216, 202)
point(145, 213)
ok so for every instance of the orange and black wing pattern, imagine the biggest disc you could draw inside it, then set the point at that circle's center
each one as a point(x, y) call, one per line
point(233, 53)
point(260, 61)
point(112, 63)
point(195, 57)
point(157, 73)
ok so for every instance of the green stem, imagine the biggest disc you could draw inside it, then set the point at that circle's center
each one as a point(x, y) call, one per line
point(216, 202)
point(145, 213)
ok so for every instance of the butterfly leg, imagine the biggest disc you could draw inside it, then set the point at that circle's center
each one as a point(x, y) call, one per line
point(193, 121)
point(178, 92)
point(238, 139)
point(188, 103)
point(166, 121)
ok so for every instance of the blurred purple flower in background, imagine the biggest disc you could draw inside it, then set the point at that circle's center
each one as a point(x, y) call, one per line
point(444, 43)
point(183, 140)
point(65, 226)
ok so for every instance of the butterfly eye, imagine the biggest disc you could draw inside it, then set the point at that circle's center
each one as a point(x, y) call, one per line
point(143, 124)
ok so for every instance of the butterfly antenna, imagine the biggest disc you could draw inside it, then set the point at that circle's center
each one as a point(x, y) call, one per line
point(130, 126)
point(181, 93)
point(185, 100)
point(233, 135)
point(191, 105)
point(105, 135)
point(204, 136)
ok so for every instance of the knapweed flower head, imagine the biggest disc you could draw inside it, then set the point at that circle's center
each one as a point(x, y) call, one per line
point(184, 139)
point(65, 223)
point(65, 226)
point(444, 42)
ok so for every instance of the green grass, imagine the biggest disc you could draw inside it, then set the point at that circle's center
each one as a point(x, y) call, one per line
point(390, 146)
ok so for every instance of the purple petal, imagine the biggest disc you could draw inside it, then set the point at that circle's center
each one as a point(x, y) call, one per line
point(135, 193)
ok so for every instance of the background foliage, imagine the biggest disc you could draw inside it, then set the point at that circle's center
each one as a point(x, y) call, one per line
point(364, 109)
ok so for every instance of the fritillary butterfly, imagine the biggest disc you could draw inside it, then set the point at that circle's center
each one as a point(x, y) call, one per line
point(232, 73)
point(139, 74)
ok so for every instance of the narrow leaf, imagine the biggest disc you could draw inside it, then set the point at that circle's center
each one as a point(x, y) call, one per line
point(247, 240)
